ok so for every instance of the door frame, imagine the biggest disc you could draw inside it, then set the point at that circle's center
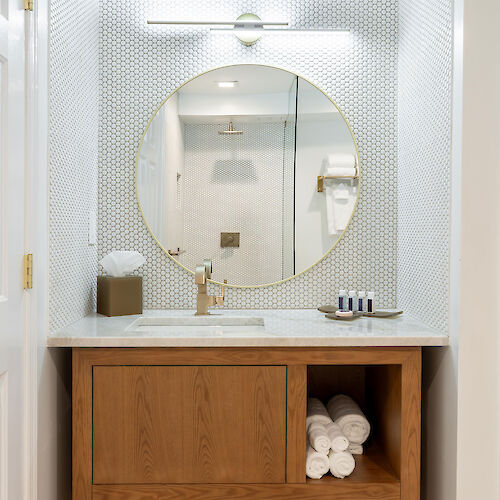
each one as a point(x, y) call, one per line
point(36, 227)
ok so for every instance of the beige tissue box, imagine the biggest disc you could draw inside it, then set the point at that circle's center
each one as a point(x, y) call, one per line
point(119, 296)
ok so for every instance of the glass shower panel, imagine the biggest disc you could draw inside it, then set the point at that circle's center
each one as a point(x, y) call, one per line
point(288, 230)
point(321, 138)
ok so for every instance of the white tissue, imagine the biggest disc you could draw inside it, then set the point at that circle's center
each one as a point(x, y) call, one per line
point(120, 262)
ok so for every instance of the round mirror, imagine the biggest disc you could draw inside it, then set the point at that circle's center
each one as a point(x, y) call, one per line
point(250, 166)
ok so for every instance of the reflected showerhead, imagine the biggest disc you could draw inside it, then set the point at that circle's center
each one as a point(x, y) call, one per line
point(230, 130)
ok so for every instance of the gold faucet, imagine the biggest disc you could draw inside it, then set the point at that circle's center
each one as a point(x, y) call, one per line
point(203, 301)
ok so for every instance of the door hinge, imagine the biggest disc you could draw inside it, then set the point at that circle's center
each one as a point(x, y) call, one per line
point(28, 4)
point(28, 271)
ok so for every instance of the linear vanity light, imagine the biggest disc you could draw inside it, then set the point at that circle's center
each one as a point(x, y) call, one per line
point(227, 85)
point(282, 30)
point(248, 28)
point(236, 24)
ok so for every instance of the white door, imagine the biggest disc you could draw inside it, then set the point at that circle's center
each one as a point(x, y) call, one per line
point(12, 199)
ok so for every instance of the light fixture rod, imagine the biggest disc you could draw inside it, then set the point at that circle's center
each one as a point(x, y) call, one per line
point(283, 30)
point(221, 23)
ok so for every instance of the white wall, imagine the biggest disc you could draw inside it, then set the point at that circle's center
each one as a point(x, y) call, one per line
point(479, 333)
point(424, 158)
point(73, 146)
point(54, 422)
point(52, 462)
point(67, 145)
point(461, 384)
point(427, 208)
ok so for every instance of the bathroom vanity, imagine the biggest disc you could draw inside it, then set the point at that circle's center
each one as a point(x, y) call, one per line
point(301, 172)
point(257, 170)
point(218, 412)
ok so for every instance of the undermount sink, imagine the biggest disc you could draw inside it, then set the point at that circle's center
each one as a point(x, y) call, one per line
point(197, 325)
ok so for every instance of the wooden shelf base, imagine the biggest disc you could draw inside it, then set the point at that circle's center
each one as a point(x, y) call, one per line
point(371, 468)
point(373, 479)
point(342, 491)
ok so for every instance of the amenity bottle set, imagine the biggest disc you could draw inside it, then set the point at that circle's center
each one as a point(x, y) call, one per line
point(357, 301)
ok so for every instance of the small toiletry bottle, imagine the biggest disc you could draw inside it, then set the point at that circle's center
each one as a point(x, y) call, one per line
point(342, 300)
point(361, 300)
point(352, 300)
point(371, 302)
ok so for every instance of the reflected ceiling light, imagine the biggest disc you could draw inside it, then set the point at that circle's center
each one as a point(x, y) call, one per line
point(248, 28)
point(227, 85)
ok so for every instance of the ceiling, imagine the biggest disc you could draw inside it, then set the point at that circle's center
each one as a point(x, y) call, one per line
point(252, 79)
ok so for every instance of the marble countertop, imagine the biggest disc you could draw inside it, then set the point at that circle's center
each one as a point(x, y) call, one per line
point(281, 327)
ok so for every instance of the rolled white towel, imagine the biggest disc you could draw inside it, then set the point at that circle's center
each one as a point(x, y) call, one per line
point(317, 464)
point(316, 412)
point(342, 160)
point(338, 442)
point(355, 449)
point(348, 415)
point(341, 171)
point(318, 437)
point(341, 463)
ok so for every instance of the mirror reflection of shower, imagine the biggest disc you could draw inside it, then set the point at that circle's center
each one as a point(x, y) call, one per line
point(239, 150)
point(230, 130)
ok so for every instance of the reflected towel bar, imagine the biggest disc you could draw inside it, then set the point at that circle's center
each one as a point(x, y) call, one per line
point(321, 179)
point(173, 253)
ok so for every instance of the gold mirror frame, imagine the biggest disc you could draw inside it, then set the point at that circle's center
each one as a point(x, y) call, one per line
point(265, 284)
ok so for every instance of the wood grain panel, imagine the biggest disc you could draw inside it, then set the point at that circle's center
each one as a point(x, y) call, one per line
point(296, 423)
point(373, 479)
point(186, 424)
point(247, 356)
point(384, 394)
point(326, 490)
point(325, 381)
point(82, 427)
point(411, 419)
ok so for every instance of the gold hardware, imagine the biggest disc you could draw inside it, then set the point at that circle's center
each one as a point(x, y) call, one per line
point(230, 130)
point(28, 271)
point(229, 240)
point(321, 179)
point(219, 300)
point(176, 252)
point(28, 5)
point(203, 301)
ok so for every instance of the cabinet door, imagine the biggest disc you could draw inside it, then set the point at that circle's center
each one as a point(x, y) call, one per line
point(189, 424)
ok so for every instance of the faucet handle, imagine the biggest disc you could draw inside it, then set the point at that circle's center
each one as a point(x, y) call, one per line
point(208, 268)
point(220, 299)
point(200, 275)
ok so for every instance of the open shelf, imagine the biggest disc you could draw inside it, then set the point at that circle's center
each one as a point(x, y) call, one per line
point(371, 467)
point(377, 390)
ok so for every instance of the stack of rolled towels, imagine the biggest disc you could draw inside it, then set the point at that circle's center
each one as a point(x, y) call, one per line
point(334, 434)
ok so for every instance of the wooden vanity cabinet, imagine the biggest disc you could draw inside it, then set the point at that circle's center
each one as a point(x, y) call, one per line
point(225, 423)
point(189, 424)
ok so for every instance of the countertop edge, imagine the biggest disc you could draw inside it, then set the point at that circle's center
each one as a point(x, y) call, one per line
point(430, 341)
